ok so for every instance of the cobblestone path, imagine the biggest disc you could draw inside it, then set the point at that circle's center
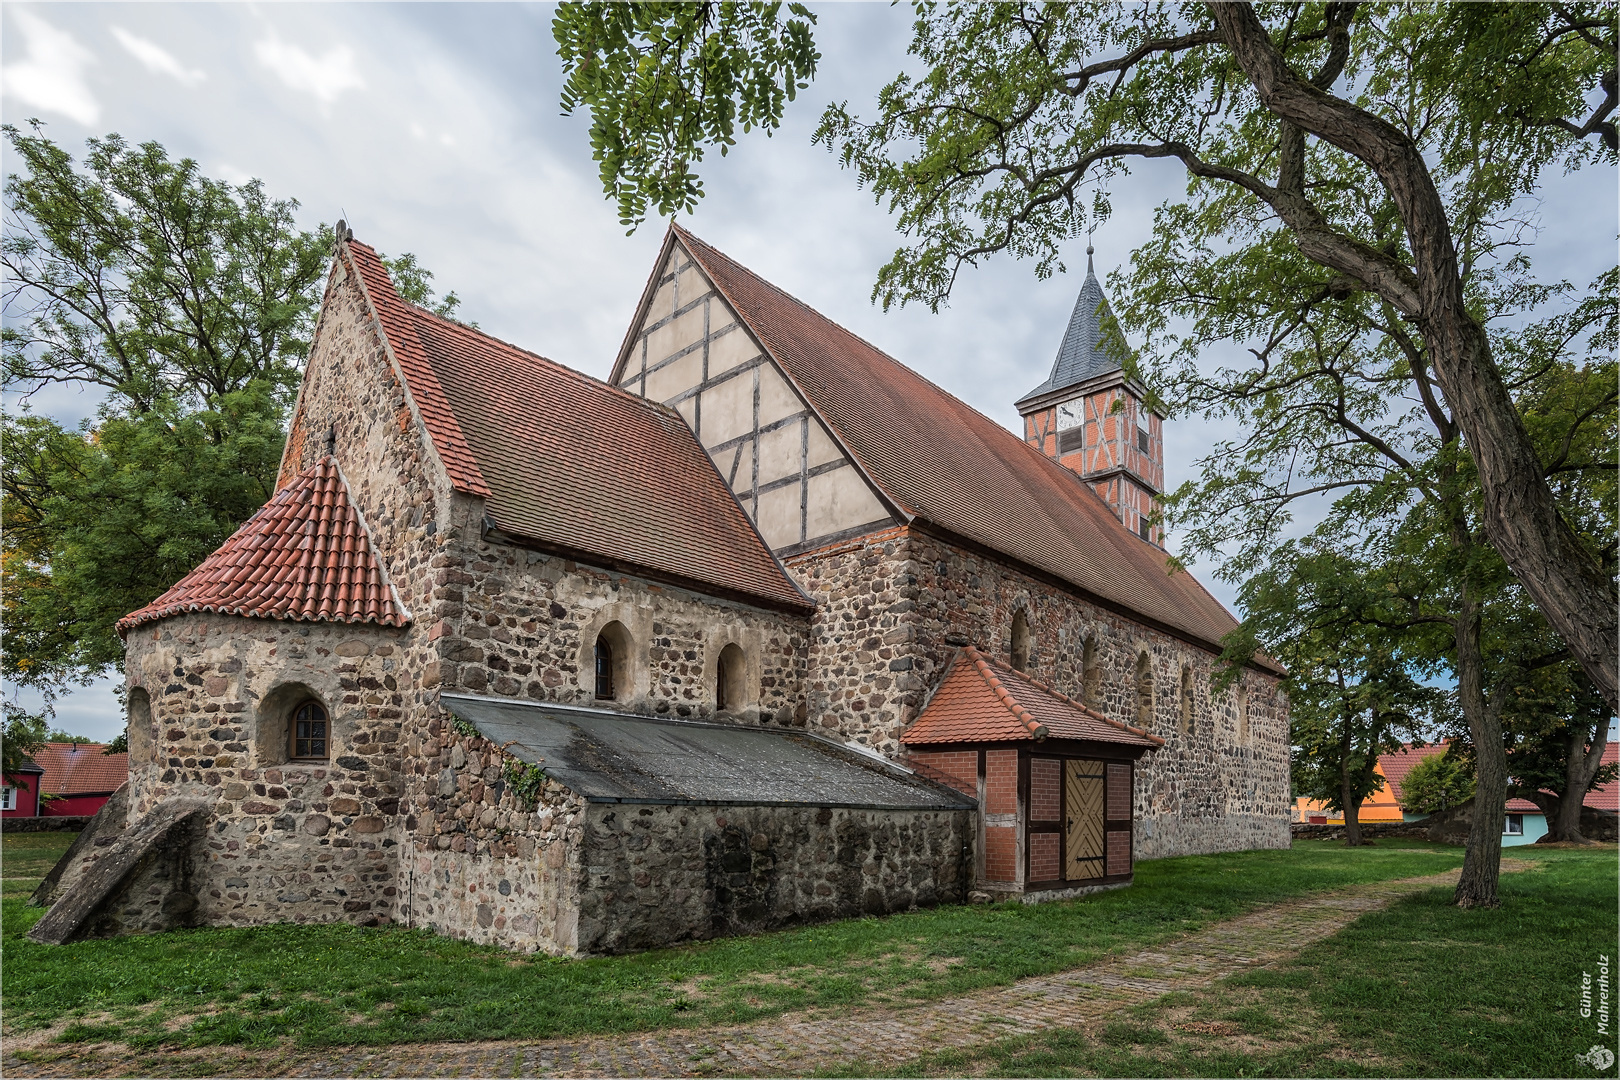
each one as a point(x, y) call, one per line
point(789, 1045)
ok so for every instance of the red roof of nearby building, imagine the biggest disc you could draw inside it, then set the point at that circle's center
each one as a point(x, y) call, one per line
point(1398, 764)
point(80, 769)
point(983, 700)
point(305, 555)
point(567, 460)
point(1606, 796)
point(937, 458)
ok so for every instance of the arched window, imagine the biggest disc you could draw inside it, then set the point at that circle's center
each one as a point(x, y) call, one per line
point(1243, 713)
point(1020, 640)
point(1090, 673)
point(1186, 699)
point(612, 662)
point(604, 668)
point(138, 731)
point(310, 733)
point(1144, 690)
point(729, 672)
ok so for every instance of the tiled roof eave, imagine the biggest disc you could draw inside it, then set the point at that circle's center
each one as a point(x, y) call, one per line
point(139, 618)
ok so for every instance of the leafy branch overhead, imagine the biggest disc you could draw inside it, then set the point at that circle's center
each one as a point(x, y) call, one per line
point(663, 80)
point(1337, 132)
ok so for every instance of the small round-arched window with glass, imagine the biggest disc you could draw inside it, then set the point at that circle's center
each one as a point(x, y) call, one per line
point(309, 733)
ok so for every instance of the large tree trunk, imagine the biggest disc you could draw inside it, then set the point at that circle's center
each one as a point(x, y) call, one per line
point(1482, 859)
point(1582, 764)
point(1521, 516)
point(1347, 793)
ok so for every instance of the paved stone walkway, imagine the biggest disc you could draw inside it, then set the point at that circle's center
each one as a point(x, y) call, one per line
point(794, 1046)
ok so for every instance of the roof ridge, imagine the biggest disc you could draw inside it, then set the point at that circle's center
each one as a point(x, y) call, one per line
point(1021, 714)
point(835, 325)
point(1082, 706)
point(422, 388)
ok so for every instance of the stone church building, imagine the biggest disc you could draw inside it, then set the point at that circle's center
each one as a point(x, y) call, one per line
point(766, 628)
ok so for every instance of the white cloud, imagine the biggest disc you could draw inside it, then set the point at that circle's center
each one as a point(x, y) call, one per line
point(51, 76)
point(157, 59)
point(323, 76)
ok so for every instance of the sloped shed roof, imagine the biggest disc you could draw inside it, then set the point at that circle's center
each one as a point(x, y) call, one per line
point(615, 757)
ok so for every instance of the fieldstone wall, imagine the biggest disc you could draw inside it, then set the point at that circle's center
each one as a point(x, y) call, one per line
point(284, 841)
point(659, 874)
point(893, 606)
point(519, 623)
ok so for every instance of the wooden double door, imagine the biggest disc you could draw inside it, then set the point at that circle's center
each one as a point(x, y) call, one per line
point(1093, 832)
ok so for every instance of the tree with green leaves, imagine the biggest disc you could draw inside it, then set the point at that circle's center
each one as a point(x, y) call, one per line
point(1352, 694)
point(1285, 113)
point(1436, 784)
point(187, 304)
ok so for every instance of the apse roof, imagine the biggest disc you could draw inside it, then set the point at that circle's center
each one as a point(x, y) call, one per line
point(305, 555)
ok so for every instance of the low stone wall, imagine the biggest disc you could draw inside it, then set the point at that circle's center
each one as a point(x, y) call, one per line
point(65, 823)
point(655, 875)
point(1406, 830)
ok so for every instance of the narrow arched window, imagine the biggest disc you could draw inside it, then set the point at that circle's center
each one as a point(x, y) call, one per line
point(1186, 699)
point(310, 733)
point(138, 730)
point(1020, 640)
point(1144, 690)
point(1243, 713)
point(604, 668)
point(1090, 673)
point(729, 692)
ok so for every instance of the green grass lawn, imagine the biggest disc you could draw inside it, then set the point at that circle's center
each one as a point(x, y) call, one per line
point(27, 857)
point(1422, 988)
point(323, 985)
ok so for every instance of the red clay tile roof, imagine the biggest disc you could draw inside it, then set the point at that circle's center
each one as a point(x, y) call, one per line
point(399, 327)
point(80, 769)
point(304, 556)
point(1397, 765)
point(1607, 796)
point(982, 700)
point(941, 460)
point(568, 460)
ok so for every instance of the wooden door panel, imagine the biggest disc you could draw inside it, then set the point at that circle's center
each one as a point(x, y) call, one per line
point(1083, 848)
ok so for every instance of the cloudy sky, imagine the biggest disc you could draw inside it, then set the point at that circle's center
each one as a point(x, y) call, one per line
point(435, 129)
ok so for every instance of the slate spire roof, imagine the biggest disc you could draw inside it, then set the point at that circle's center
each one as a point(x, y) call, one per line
point(984, 700)
point(1084, 353)
point(305, 555)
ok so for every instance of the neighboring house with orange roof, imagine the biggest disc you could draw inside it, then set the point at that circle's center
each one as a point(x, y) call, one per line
point(79, 778)
point(766, 628)
point(1525, 822)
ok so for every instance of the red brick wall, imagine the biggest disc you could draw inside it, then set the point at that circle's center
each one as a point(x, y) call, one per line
point(1001, 782)
point(1000, 853)
point(1119, 792)
point(958, 768)
point(1119, 852)
point(1045, 856)
point(1046, 790)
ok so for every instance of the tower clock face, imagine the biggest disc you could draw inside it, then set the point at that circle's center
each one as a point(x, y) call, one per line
point(1068, 415)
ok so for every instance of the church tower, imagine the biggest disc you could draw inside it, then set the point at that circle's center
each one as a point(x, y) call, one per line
point(1095, 421)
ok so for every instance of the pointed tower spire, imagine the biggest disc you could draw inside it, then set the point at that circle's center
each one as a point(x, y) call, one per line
point(1094, 420)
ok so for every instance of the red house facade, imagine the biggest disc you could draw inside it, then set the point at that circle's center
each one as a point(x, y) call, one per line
point(75, 780)
point(20, 797)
